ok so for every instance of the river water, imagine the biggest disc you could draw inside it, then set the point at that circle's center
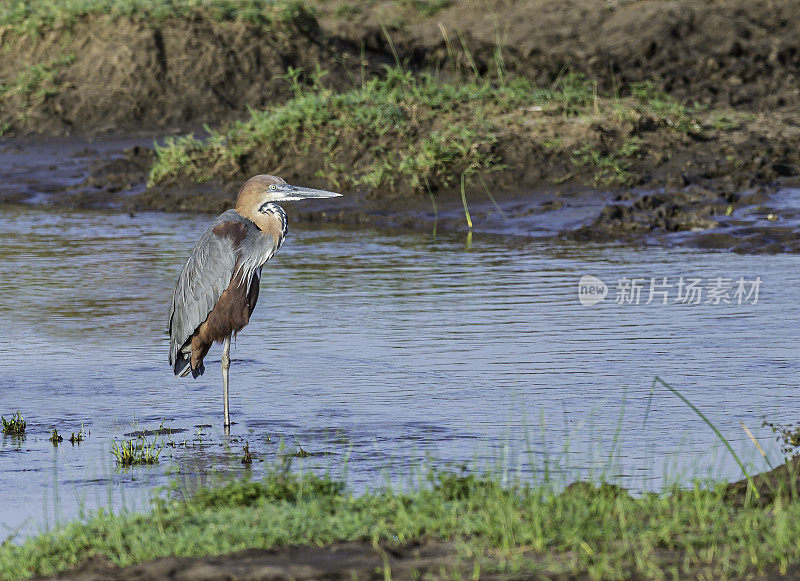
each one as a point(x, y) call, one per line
point(376, 352)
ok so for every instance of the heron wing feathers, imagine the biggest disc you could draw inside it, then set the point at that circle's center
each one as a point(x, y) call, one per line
point(205, 276)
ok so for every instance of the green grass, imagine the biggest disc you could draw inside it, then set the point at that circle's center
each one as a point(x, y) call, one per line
point(31, 17)
point(412, 129)
point(610, 168)
point(668, 109)
point(139, 450)
point(37, 82)
point(15, 426)
point(428, 7)
point(517, 527)
point(419, 131)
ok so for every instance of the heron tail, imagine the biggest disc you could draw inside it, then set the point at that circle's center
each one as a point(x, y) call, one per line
point(183, 363)
point(183, 367)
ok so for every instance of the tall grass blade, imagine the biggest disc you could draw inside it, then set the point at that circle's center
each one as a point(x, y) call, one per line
point(617, 433)
point(435, 206)
point(712, 426)
point(468, 54)
point(491, 197)
point(464, 201)
point(760, 449)
point(391, 45)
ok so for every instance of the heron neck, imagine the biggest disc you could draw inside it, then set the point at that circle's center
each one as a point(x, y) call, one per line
point(271, 220)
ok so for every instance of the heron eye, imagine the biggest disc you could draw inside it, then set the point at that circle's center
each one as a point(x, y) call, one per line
point(273, 187)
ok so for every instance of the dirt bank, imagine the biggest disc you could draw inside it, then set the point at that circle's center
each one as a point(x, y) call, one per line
point(106, 74)
point(716, 52)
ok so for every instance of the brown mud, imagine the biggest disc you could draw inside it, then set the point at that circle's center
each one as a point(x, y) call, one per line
point(111, 173)
point(725, 187)
point(130, 73)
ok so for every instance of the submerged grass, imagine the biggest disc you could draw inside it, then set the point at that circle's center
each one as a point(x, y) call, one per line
point(514, 527)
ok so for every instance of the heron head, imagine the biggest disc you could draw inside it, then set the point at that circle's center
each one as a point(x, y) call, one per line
point(261, 190)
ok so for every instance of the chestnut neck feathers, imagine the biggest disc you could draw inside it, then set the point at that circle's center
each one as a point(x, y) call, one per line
point(253, 203)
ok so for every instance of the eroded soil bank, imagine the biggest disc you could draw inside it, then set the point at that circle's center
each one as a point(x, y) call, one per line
point(81, 173)
point(107, 72)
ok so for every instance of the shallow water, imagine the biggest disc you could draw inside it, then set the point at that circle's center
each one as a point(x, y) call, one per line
point(373, 350)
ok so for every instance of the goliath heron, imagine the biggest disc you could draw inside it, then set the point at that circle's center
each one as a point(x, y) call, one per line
point(217, 289)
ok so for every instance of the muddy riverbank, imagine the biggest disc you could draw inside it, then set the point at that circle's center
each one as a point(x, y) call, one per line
point(112, 173)
point(672, 122)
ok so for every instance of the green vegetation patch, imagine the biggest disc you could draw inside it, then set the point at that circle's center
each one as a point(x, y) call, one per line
point(602, 531)
point(402, 128)
point(417, 130)
point(15, 426)
point(428, 7)
point(30, 17)
point(37, 82)
point(135, 451)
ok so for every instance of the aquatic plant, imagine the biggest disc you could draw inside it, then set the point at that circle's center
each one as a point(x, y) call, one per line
point(139, 450)
point(55, 437)
point(77, 438)
point(15, 426)
point(788, 436)
point(248, 458)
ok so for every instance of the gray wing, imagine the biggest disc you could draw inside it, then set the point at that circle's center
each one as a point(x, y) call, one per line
point(205, 276)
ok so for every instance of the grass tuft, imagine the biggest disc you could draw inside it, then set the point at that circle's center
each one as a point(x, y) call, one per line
point(611, 168)
point(139, 450)
point(15, 426)
point(39, 81)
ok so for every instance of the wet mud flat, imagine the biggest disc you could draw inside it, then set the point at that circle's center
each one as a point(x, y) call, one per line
point(111, 173)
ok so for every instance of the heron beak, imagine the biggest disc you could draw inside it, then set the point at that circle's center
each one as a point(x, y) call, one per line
point(293, 193)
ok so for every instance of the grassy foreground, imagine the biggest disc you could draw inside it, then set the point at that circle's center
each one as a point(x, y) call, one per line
point(602, 531)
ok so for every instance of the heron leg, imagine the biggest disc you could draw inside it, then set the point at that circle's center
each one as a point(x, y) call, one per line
point(226, 364)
